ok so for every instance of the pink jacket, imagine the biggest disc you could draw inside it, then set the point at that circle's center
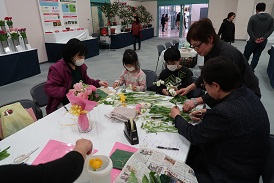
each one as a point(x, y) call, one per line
point(59, 82)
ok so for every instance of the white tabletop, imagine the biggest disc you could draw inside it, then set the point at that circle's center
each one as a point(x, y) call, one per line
point(105, 133)
point(63, 37)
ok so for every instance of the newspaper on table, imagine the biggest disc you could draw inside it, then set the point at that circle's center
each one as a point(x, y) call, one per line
point(146, 160)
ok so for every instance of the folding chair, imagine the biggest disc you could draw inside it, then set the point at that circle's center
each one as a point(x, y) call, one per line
point(150, 78)
point(26, 103)
point(105, 42)
point(38, 94)
point(168, 45)
point(160, 48)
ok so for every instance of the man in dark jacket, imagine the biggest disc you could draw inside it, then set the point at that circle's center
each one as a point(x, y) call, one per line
point(207, 43)
point(232, 137)
point(163, 22)
point(260, 27)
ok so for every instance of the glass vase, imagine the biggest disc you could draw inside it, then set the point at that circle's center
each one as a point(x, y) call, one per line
point(84, 123)
point(3, 44)
point(101, 175)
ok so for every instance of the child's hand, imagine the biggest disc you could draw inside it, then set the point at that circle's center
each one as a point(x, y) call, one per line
point(103, 83)
point(165, 92)
point(134, 88)
point(115, 85)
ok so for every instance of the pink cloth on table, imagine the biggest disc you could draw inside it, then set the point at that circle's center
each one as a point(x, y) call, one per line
point(118, 145)
point(54, 150)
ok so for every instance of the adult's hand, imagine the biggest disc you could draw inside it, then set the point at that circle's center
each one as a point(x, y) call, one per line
point(175, 111)
point(189, 105)
point(197, 115)
point(103, 83)
point(83, 146)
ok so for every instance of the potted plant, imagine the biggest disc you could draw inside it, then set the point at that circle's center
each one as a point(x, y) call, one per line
point(110, 10)
point(23, 34)
point(3, 42)
point(14, 39)
point(126, 14)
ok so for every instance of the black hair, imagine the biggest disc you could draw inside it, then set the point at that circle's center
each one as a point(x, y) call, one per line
point(230, 14)
point(202, 30)
point(73, 47)
point(130, 57)
point(260, 7)
point(172, 54)
point(224, 72)
point(137, 19)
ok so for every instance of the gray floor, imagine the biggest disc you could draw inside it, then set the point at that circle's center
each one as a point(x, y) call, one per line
point(108, 66)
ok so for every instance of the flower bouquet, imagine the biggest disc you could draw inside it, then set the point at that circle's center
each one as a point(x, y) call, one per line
point(9, 21)
point(3, 42)
point(14, 35)
point(81, 105)
point(23, 34)
point(3, 25)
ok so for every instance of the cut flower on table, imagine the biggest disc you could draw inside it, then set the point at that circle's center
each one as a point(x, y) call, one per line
point(95, 163)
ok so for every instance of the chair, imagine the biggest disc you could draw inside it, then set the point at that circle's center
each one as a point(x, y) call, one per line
point(150, 78)
point(26, 103)
point(160, 48)
point(168, 45)
point(175, 41)
point(38, 95)
point(101, 43)
point(268, 171)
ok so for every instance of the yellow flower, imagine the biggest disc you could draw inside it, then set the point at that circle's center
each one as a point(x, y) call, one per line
point(95, 163)
point(76, 110)
point(122, 97)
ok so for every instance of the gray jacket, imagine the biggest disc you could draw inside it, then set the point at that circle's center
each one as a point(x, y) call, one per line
point(260, 25)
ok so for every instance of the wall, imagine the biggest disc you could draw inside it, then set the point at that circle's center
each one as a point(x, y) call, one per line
point(151, 7)
point(3, 11)
point(195, 11)
point(32, 22)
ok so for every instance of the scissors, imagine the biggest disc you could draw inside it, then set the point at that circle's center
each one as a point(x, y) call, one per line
point(24, 157)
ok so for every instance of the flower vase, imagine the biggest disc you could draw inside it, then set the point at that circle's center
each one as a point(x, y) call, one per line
point(25, 42)
point(101, 175)
point(3, 45)
point(4, 28)
point(13, 44)
point(84, 123)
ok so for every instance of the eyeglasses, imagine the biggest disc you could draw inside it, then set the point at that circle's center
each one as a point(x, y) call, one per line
point(195, 47)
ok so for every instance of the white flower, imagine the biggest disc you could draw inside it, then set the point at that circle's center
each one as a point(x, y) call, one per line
point(129, 87)
point(172, 92)
point(158, 83)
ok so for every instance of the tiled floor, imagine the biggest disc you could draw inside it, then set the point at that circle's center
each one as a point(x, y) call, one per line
point(108, 66)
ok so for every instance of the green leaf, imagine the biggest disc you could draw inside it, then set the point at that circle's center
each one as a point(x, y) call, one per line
point(132, 178)
point(4, 154)
point(145, 179)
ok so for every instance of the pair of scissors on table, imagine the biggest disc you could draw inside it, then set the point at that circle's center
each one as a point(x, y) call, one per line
point(24, 157)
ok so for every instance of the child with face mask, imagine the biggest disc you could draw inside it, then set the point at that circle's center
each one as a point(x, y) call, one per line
point(132, 75)
point(175, 74)
point(66, 72)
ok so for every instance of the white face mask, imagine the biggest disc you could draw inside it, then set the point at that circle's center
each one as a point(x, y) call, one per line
point(130, 69)
point(172, 67)
point(80, 62)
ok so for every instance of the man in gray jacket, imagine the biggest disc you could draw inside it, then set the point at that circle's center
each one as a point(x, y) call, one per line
point(260, 27)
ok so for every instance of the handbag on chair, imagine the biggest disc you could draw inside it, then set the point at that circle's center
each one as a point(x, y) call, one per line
point(13, 118)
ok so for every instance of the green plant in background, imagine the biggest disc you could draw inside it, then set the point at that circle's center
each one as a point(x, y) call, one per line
point(110, 10)
point(125, 13)
point(2, 23)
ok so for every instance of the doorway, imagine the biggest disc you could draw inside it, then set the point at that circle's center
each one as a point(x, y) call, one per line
point(191, 13)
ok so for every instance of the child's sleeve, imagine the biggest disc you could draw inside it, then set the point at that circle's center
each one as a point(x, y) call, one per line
point(121, 80)
point(142, 82)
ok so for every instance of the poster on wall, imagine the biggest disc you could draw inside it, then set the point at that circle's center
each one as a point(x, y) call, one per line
point(58, 14)
point(69, 12)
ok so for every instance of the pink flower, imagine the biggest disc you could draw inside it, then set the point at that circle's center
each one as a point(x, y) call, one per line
point(78, 86)
point(88, 91)
point(91, 87)
point(82, 95)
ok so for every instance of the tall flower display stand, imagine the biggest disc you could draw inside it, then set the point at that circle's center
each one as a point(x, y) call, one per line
point(102, 174)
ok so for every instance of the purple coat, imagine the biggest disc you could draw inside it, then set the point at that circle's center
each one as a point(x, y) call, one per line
point(59, 82)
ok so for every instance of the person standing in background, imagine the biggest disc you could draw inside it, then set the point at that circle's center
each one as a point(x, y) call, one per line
point(166, 21)
point(136, 32)
point(260, 27)
point(227, 29)
point(163, 22)
point(178, 20)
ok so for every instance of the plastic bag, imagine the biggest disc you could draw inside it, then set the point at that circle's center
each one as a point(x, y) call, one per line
point(14, 118)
